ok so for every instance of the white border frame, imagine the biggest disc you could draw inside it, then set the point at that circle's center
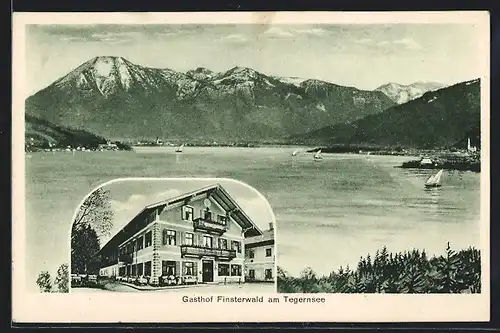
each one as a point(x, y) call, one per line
point(52, 308)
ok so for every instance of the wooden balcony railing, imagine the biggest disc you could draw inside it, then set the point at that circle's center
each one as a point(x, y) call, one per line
point(209, 225)
point(201, 251)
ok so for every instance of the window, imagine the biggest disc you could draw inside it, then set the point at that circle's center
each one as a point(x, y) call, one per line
point(269, 273)
point(122, 271)
point(187, 213)
point(221, 219)
point(207, 241)
point(188, 239)
point(147, 268)
point(129, 270)
point(269, 252)
point(148, 238)
point(140, 269)
point(188, 268)
point(223, 269)
point(134, 270)
point(235, 245)
point(140, 243)
point(251, 254)
point(223, 243)
point(251, 274)
point(207, 214)
point(169, 237)
point(168, 268)
point(235, 270)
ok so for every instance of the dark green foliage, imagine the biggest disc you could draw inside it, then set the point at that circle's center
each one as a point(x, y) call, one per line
point(62, 279)
point(84, 246)
point(123, 146)
point(40, 133)
point(409, 272)
point(44, 283)
point(93, 221)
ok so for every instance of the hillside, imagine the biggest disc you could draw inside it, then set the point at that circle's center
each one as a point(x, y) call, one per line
point(404, 93)
point(115, 98)
point(40, 133)
point(439, 118)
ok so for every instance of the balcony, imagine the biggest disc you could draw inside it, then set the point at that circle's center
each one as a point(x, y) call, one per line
point(207, 225)
point(200, 251)
point(125, 258)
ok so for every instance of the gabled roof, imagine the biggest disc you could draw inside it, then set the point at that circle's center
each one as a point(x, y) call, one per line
point(216, 192)
point(267, 238)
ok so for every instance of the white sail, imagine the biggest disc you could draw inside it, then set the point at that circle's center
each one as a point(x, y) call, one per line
point(295, 152)
point(179, 149)
point(318, 154)
point(434, 179)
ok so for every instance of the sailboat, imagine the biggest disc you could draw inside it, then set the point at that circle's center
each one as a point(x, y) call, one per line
point(318, 156)
point(179, 149)
point(295, 152)
point(434, 180)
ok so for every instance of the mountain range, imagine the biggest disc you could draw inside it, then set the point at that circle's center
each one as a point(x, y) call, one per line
point(115, 98)
point(400, 93)
point(440, 118)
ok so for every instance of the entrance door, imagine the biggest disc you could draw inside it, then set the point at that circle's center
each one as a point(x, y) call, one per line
point(208, 270)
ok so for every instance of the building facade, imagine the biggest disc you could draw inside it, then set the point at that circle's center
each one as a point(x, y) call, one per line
point(194, 238)
point(260, 257)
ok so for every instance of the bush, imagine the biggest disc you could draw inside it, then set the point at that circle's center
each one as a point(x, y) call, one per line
point(408, 272)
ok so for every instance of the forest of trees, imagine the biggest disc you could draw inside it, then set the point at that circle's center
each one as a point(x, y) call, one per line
point(409, 272)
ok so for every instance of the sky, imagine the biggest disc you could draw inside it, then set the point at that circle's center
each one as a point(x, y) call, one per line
point(364, 56)
point(129, 197)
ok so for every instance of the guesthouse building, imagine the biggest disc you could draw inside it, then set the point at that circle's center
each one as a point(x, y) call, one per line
point(260, 257)
point(197, 237)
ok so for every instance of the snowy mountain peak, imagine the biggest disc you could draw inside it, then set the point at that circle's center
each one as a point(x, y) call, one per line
point(200, 73)
point(400, 93)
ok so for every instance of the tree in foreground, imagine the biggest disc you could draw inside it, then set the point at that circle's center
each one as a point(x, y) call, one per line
point(62, 279)
point(44, 282)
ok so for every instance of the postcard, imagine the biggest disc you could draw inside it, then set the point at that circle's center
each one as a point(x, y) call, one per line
point(251, 167)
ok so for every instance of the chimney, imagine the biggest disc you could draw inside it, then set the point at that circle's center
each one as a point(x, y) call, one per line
point(271, 226)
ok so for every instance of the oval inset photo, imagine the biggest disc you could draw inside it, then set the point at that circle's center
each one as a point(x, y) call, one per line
point(134, 234)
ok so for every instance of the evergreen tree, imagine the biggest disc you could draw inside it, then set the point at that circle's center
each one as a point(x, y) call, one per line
point(44, 282)
point(84, 246)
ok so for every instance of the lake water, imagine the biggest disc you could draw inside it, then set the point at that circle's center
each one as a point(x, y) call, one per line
point(328, 213)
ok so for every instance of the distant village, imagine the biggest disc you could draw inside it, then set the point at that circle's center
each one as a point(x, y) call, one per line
point(31, 146)
point(191, 143)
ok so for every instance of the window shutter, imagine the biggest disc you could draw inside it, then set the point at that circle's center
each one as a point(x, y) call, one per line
point(178, 237)
point(200, 240)
point(178, 268)
point(195, 268)
point(164, 235)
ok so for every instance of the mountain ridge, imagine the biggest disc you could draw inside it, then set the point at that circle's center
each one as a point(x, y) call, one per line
point(439, 118)
point(114, 97)
point(400, 93)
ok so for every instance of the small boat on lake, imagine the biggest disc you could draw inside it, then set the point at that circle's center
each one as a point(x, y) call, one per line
point(434, 180)
point(295, 152)
point(179, 149)
point(317, 156)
